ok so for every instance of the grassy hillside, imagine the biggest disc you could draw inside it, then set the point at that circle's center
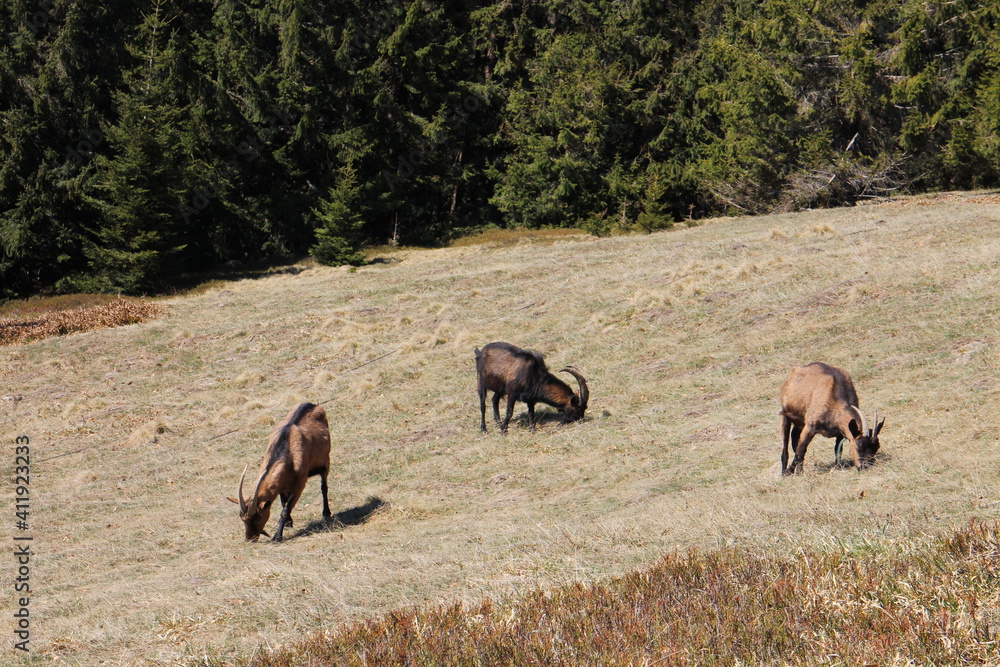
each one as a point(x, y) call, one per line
point(138, 433)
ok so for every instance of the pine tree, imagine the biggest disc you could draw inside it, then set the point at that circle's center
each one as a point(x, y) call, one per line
point(655, 214)
point(141, 184)
point(338, 223)
point(54, 84)
point(561, 130)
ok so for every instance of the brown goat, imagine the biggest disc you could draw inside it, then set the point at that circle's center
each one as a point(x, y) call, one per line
point(521, 375)
point(299, 448)
point(820, 399)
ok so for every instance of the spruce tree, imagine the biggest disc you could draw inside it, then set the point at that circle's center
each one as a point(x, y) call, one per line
point(58, 62)
point(143, 182)
point(338, 223)
point(655, 214)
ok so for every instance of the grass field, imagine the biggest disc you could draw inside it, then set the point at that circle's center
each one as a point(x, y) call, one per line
point(139, 433)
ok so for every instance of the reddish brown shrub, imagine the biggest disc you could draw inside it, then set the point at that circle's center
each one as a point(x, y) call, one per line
point(24, 328)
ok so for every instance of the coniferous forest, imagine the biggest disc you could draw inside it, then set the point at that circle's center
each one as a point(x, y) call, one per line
point(144, 140)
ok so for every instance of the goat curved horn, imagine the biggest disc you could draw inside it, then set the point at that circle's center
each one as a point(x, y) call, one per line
point(864, 426)
point(239, 491)
point(584, 391)
point(252, 510)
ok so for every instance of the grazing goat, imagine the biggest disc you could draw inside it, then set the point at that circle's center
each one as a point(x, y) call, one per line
point(820, 399)
point(521, 375)
point(299, 449)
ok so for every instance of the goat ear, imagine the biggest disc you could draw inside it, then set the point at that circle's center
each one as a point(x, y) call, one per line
point(264, 533)
point(575, 401)
point(232, 500)
point(879, 426)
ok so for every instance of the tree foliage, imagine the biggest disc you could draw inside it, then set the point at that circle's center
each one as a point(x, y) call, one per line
point(143, 140)
point(338, 223)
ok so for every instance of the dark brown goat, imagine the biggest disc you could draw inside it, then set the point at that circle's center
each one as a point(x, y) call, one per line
point(299, 448)
point(820, 399)
point(521, 375)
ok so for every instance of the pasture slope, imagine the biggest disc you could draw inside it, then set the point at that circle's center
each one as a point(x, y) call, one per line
point(684, 336)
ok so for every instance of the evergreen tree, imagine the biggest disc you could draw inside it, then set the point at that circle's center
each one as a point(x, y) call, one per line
point(142, 140)
point(948, 58)
point(141, 184)
point(655, 214)
point(561, 128)
point(56, 73)
point(338, 223)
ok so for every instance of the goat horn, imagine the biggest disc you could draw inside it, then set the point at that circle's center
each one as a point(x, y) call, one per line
point(253, 498)
point(864, 426)
point(239, 491)
point(584, 392)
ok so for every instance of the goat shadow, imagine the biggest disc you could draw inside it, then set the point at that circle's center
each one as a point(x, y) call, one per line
point(880, 459)
point(351, 517)
point(542, 418)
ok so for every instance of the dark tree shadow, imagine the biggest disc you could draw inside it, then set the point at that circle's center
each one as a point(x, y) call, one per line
point(384, 260)
point(228, 272)
point(350, 517)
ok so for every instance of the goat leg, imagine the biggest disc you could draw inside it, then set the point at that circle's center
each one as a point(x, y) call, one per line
point(284, 501)
point(786, 425)
point(496, 407)
point(482, 407)
point(804, 439)
point(285, 518)
point(323, 487)
point(838, 450)
point(508, 415)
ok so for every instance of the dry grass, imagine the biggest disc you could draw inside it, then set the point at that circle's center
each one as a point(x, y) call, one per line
point(685, 338)
point(32, 320)
point(937, 604)
point(499, 238)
